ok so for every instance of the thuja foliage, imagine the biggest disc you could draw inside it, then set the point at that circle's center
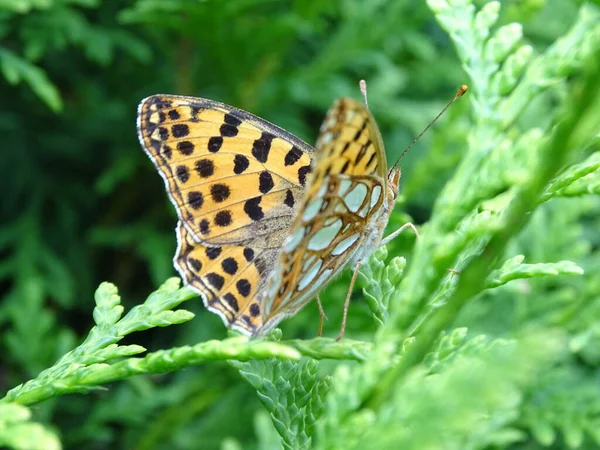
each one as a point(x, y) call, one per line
point(482, 332)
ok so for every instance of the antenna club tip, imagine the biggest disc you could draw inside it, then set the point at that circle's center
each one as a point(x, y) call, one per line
point(363, 89)
point(462, 90)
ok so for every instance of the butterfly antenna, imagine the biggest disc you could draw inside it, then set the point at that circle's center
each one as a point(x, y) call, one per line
point(363, 89)
point(461, 91)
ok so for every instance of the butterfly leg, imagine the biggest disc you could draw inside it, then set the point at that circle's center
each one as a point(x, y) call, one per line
point(322, 316)
point(395, 234)
point(347, 302)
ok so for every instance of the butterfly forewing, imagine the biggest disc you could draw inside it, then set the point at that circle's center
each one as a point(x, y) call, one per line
point(339, 212)
point(229, 173)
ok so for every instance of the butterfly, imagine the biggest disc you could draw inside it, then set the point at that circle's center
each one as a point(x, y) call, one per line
point(265, 219)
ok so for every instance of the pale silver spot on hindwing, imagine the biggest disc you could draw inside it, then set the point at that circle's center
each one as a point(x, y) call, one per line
point(344, 186)
point(267, 303)
point(322, 191)
point(345, 244)
point(355, 198)
point(325, 236)
point(312, 209)
point(323, 277)
point(294, 240)
point(364, 211)
point(310, 275)
point(375, 194)
point(308, 262)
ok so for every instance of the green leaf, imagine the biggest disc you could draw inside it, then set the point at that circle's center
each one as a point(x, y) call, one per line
point(16, 69)
point(577, 179)
point(292, 394)
point(514, 269)
point(19, 433)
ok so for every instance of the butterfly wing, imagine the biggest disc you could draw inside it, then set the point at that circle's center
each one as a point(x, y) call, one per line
point(228, 277)
point(230, 174)
point(341, 216)
point(236, 181)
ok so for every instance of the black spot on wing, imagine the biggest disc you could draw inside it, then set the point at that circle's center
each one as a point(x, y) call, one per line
point(345, 167)
point(254, 309)
point(229, 265)
point(180, 130)
point(262, 146)
point(244, 287)
point(241, 163)
point(265, 182)
point(215, 143)
point(215, 280)
point(186, 148)
point(223, 218)
point(195, 200)
point(194, 111)
point(248, 254)
point(230, 126)
point(195, 263)
point(253, 210)
point(359, 132)
point(163, 133)
point(219, 192)
point(213, 252)
point(302, 173)
point(205, 168)
point(292, 156)
point(361, 154)
point(182, 173)
point(289, 199)
point(231, 301)
point(371, 160)
point(204, 226)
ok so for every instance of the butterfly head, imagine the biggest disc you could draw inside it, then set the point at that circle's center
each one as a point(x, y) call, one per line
point(394, 182)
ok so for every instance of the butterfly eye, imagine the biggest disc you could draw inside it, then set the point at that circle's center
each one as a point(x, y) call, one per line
point(394, 180)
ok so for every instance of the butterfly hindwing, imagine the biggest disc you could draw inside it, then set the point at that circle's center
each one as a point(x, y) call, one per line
point(228, 277)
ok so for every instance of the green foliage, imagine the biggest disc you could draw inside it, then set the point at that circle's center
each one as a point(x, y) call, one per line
point(292, 394)
point(85, 367)
point(18, 432)
point(514, 269)
point(483, 332)
point(482, 378)
point(380, 282)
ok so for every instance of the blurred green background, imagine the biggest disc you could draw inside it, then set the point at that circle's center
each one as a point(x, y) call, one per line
point(81, 203)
